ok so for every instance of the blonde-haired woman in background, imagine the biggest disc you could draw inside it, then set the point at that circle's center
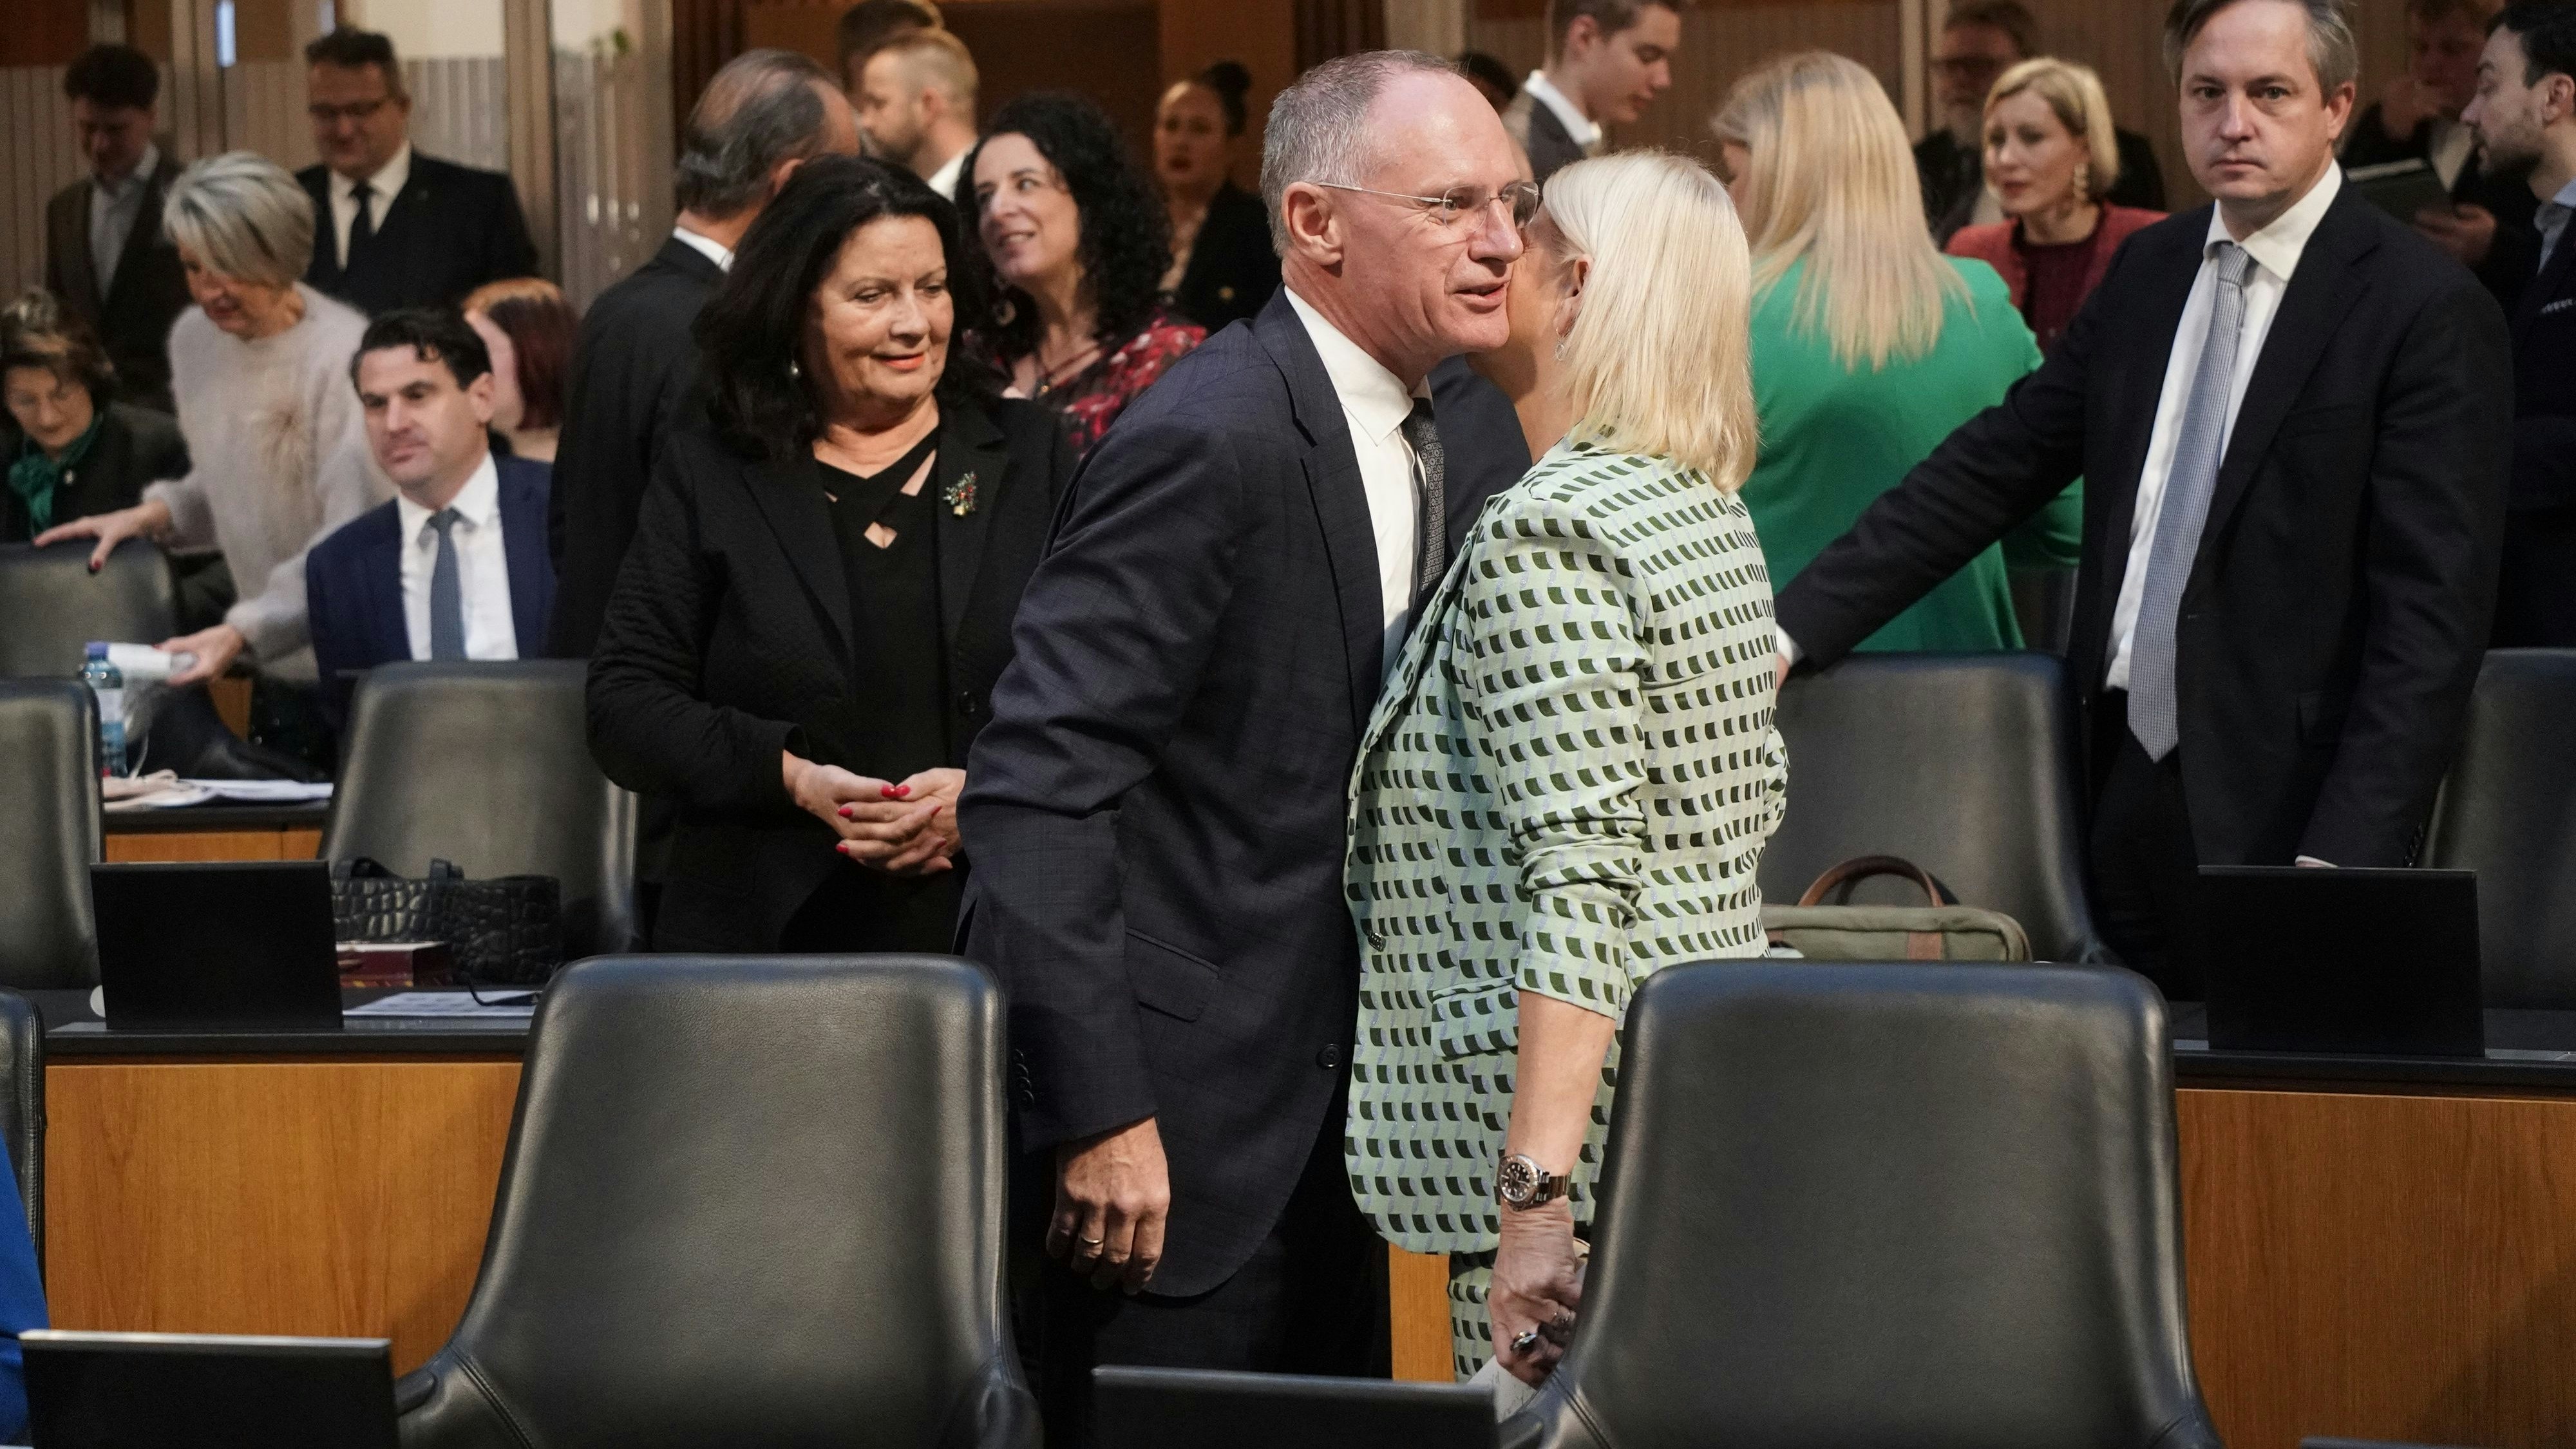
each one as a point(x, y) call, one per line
point(2051, 159)
point(1869, 346)
point(1570, 778)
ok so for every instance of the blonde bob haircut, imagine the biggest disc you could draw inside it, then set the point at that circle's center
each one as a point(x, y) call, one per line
point(1657, 361)
point(2074, 93)
point(244, 217)
point(1831, 182)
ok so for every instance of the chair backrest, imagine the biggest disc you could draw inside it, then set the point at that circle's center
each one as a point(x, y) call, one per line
point(488, 765)
point(2508, 812)
point(54, 605)
point(1903, 1204)
point(49, 801)
point(1964, 764)
point(22, 1106)
point(746, 1200)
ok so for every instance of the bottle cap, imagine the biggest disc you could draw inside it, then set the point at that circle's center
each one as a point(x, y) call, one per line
point(97, 650)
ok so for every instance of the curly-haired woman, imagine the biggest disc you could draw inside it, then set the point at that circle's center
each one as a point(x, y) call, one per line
point(1075, 243)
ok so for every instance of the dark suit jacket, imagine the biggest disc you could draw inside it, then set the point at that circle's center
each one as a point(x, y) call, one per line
point(135, 446)
point(1232, 269)
point(353, 585)
point(2339, 601)
point(1156, 810)
point(448, 231)
point(2536, 595)
point(1953, 175)
point(631, 370)
point(2516, 250)
point(133, 311)
point(729, 634)
point(1550, 149)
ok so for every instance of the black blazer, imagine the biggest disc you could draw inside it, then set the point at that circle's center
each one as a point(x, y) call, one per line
point(2516, 250)
point(2339, 602)
point(1156, 810)
point(1544, 138)
point(448, 231)
point(132, 313)
point(1232, 269)
point(135, 446)
point(729, 632)
point(631, 370)
point(2536, 594)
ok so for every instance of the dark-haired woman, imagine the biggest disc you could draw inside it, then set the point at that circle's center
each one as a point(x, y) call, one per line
point(529, 329)
point(819, 595)
point(1223, 268)
point(70, 452)
point(1075, 244)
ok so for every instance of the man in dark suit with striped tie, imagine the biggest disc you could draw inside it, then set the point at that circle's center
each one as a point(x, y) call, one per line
point(2291, 413)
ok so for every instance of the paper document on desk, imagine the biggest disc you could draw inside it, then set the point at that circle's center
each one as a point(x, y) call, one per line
point(264, 792)
point(498, 1003)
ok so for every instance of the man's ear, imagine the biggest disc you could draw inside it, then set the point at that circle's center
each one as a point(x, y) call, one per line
point(1580, 36)
point(483, 393)
point(1314, 226)
point(780, 174)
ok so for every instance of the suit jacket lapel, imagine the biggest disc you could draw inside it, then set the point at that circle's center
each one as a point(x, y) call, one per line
point(523, 542)
point(2320, 294)
point(2545, 287)
point(71, 243)
point(790, 499)
point(964, 488)
point(381, 566)
point(147, 225)
point(1341, 502)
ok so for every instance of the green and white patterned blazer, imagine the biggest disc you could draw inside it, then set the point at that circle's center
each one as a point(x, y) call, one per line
point(1566, 786)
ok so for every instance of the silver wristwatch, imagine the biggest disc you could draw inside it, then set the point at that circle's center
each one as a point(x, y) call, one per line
point(1522, 1184)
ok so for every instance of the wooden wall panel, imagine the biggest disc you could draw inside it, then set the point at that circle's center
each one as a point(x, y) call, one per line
point(38, 156)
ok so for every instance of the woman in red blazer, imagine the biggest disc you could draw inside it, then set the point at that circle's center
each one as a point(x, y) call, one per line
point(2050, 158)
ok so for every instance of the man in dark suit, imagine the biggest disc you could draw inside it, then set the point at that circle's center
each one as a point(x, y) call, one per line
point(2290, 415)
point(1156, 810)
point(2419, 118)
point(2525, 119)
point(1980, 40)
point(454, 567)
point(106, 258)
point(394, 227)
point(1606, 61)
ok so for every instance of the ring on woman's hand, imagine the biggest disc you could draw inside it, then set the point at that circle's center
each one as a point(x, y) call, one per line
point(1524, 1341)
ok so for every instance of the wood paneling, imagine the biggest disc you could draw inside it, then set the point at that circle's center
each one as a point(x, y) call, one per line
point(1260, 34)
point(1418, 1308)
point(44, 32)
point(299, 844)
point(341, 1197)
point(38, 157)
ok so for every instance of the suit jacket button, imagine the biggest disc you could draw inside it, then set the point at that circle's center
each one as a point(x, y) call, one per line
point(1330, 1058)
point(966, 703)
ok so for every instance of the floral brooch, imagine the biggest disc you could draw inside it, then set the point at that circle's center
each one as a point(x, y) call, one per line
point(960, 495)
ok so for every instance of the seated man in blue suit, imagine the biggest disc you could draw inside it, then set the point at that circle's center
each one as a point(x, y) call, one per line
point(455, 567)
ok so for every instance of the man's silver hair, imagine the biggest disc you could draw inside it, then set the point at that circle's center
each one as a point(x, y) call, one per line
point(1319, 127)
point(2332, 52)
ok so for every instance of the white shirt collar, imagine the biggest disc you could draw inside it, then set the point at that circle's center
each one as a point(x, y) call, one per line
point(944, 180)
point(708, 247)
point(385, 185)
point(2276, 247)
point(1578, 126)
point(1375, 398)
point(148, 163)
point(478, 502)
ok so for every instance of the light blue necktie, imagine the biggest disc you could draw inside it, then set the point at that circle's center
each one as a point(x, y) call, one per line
point(446, 592)
point(2188, 486)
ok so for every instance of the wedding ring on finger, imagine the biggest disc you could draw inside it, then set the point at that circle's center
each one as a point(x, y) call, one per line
point(1524, 1341)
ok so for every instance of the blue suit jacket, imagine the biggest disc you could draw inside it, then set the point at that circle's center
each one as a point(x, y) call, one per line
point(353, 585)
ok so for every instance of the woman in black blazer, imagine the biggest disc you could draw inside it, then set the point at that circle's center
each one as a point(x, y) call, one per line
point(69, 451)
point(1223, 268)
point(818, 599)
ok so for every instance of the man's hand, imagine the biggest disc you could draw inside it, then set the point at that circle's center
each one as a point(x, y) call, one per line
point(1112, 1194)
point(2467, 231)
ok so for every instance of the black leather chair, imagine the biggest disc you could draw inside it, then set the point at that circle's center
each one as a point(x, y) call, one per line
point(747, 1201)
point(1965, 764)
point(22, 1107)
point(1906, 1204)
point(49, 803)
point(54, 605)
point(2508, 812)
point(488, 765)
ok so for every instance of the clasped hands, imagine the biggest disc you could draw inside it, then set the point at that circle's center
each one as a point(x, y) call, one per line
point(901, 828)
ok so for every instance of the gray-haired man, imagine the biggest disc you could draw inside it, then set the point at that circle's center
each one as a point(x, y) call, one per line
point(1155, 811)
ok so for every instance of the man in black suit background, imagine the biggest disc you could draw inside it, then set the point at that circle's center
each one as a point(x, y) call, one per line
point(1156, 810)
point(2525, 118)
point(106, 258)
point(2290, 412)
point(396, 228)
point(1607, 59)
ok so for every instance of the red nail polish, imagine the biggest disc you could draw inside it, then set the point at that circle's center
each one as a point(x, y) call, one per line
point(845, 812)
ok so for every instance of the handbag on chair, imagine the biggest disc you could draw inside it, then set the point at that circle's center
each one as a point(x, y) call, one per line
point(1942, 930)
point(505, 931)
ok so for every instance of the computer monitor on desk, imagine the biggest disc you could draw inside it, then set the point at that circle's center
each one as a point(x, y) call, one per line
point(207, 1391)
point(2356, 961)
point(235, 946)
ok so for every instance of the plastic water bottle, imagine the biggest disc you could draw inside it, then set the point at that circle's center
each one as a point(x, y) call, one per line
point(108, 683)
point(144, 664)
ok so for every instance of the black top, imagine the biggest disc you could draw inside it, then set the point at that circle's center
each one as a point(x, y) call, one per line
point(134, 447)
point(894, 723)
point(130, 312)
point(1232, 269)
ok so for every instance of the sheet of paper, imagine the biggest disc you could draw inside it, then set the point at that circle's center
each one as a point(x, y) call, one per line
point(263, 792)
point(450, 1003)
point(168, 799)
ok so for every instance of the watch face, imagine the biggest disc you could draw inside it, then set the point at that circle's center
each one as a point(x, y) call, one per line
point(1518, 1179)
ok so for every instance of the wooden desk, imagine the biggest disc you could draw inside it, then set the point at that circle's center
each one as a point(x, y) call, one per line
point(216, 832)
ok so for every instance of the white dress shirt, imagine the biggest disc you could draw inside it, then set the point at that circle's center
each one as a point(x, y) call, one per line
point(944, 180)
point(384, 186)
point(482, 568)
point(708, 247)
point(2275, 250)
point(113, 207)
point(2452, 143)
point(1376, 402)
point(1580, 128)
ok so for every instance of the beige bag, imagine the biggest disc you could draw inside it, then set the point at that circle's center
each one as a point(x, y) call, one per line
point(1941, 931)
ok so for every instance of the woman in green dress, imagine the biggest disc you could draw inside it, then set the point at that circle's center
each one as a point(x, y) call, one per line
point(1869, 346)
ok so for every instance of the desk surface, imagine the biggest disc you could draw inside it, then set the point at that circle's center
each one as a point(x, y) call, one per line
point(73, 1030)
point(2525, 1049)
point(312, 815)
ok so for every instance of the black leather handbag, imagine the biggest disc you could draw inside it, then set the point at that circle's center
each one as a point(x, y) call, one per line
point(505, 931)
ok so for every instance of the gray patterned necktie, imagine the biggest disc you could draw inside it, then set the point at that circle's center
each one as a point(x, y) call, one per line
point(1430, 501)
point(2188, 486)
point(446, 592)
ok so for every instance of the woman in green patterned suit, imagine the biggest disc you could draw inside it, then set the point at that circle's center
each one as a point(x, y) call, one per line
point(1569, 780)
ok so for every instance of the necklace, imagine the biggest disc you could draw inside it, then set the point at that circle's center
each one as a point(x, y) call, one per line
point(1050, 376)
